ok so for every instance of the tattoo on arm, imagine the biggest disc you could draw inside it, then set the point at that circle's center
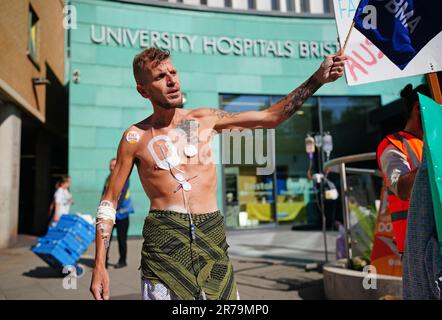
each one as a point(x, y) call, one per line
point(287, 106)
point(293, 101)
point(224, 114)
point(106, 242)
point(105, 229)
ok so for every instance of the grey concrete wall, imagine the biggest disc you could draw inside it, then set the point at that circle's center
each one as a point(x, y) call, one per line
point(10, 139)
point(344, 284)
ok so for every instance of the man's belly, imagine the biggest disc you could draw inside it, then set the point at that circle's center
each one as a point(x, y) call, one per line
point(194, 201)
point(167, 194)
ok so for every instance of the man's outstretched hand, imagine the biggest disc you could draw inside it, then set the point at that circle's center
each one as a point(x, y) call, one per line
point(332, 68)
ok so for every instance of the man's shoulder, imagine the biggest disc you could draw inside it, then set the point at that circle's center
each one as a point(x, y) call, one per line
point(202, 112)
point(384, 143)
point(387, 151)
point(135, 128)
point(387, 145)
point(138, 128)
point(142, 125)
point(392, 155)
point(132, 136)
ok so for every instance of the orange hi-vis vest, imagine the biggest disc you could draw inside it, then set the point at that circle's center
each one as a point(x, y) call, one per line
point(411, 147)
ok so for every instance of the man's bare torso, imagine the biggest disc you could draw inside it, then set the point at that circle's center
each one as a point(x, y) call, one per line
point(162, 180)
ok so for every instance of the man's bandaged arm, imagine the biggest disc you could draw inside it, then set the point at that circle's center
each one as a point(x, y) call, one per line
point(106, 211)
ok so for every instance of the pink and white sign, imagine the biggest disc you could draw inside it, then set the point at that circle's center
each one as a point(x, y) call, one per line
point(367, 63)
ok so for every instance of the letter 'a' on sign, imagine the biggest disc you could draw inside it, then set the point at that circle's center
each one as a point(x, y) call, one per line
point(391, 38)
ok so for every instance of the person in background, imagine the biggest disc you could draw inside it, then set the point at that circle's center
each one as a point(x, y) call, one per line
point(399, 156)
point(422, 263)
point(124, 208)
point(52, 205)
point(62, 200)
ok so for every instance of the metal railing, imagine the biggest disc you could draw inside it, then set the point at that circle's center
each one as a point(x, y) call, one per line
point(339, 165)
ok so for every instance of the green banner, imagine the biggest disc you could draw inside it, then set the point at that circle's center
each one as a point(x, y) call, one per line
point(432, 122)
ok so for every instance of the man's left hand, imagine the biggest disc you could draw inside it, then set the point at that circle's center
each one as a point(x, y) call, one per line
point(332, 68)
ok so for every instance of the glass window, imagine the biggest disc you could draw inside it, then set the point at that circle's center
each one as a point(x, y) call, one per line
point(328, 6)
point(295, 196)
point(291, 5)
point(305, 6)
point(275, 5)
point(346, 118)
point(204, 2)
point(249, 197)
point(228, 3)
point(237, 103)
point(289, 194)
point(33, 35)
point(252, 4)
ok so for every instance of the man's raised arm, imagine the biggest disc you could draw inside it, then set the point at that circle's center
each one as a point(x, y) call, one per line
point(330, 70)
point(106, 217)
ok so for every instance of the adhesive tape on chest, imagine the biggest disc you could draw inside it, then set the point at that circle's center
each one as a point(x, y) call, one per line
point(186, 186)
point(180, 177)
point(172, 158)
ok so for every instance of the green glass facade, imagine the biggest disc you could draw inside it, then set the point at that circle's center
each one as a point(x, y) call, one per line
point(216, 54)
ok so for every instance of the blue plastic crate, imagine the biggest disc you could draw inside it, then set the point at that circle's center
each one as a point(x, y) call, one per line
point(73, 221)
point(75, 224)
point(55, 254)
point(77, 233)
point(65, 243)
point(73, 242)
point(69, 220)
point(87, 236)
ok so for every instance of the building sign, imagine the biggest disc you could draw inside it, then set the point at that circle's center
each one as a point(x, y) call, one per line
point(180, 42)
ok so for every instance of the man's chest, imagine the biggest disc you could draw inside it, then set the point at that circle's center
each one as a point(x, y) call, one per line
point(187, 147)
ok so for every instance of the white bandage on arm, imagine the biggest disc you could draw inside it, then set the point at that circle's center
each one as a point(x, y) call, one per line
point(105, 220)
point(106, 211)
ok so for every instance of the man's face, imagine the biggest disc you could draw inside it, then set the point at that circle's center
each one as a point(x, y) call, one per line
point(161, 85)
point(112, 164)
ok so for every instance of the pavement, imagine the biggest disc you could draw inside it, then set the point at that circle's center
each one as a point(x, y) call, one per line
point(269, 264)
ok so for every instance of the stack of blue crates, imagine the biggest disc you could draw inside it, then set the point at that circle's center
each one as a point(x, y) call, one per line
point(65, 243)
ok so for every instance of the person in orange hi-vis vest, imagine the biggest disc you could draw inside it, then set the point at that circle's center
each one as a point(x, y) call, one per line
point(399, 156)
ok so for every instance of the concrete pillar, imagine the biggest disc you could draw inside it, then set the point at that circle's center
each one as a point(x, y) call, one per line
point(10, 141)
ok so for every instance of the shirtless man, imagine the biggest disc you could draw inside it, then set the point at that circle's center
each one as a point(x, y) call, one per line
point(184, 253)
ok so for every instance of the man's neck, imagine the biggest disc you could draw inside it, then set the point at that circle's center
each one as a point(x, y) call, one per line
point(414, 130)
point(163, 117)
